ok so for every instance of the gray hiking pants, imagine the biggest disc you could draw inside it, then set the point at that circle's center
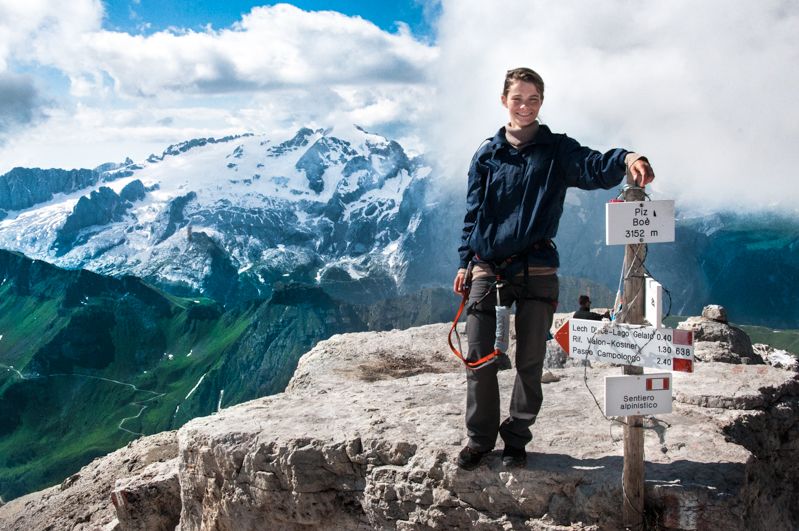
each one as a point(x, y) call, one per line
point(533, 321)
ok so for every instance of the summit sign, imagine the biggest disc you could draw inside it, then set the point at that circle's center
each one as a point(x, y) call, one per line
point(639, 222)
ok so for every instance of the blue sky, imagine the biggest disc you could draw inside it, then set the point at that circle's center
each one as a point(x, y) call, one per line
point(706, 90)
point(149, 16)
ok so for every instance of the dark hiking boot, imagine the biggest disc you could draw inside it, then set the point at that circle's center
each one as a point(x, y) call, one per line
point(469, 459)
point(514, 457)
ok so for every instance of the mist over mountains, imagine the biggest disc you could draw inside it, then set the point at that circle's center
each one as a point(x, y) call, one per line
point(355, 214)
point(744, 261)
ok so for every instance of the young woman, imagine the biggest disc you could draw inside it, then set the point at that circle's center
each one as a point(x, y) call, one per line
point(517, 185)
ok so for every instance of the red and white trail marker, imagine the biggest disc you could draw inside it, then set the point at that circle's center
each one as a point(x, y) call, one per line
point(625, 344)
point(657, 384)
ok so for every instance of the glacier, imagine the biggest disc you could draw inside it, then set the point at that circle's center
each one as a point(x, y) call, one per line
point(228, 218)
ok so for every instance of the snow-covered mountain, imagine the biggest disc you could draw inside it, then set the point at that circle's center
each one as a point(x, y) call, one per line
point(228, 218)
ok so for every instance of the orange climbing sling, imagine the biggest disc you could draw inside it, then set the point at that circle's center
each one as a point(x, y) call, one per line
point(487, 360)
point(503, 313)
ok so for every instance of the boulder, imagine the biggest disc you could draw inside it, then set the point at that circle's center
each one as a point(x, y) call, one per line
point(715, 340)
point(715, 312)
point(780, 359)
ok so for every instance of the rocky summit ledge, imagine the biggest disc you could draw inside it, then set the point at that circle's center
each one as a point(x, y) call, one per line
point(366, 435)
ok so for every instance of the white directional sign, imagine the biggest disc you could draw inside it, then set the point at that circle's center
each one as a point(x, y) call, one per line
point(654, 303)
point(640, 394)
point(639, 222)
point(625, 344)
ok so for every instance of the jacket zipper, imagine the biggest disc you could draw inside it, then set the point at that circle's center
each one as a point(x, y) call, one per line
point(528, 166)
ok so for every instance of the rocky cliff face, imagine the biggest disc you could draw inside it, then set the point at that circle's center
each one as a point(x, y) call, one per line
point(366, 434)
point(24, 187)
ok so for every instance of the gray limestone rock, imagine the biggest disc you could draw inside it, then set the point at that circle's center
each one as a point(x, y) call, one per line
point(715, 313)
point(718, 341)
point(366, 434)
point(342, 450)
point(150, 500)
point(780, 359)
point(548, 377)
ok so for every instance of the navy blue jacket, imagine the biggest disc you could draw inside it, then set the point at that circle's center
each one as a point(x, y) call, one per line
point(515, 199)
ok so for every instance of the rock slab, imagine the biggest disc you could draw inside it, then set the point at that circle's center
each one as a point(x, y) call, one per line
point(366, 435)
point(715, 340)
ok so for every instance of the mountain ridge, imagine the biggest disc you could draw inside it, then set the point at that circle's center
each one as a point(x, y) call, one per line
point(327, 209)
point(356, 214)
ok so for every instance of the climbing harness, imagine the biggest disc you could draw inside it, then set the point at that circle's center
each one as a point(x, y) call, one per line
point(502, 334)
point(501, 340)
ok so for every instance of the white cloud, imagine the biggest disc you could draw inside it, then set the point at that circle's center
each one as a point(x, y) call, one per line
point(278, 68)
point(24, 26)
point(271, 47)
point(705, 89)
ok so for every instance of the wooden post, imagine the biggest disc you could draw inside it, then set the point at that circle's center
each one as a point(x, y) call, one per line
point(633, 313)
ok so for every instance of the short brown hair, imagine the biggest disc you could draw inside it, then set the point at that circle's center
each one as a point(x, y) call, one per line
point(523, 74)
point(583, 300)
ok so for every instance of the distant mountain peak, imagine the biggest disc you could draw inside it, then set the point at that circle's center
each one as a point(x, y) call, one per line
point(276, 209)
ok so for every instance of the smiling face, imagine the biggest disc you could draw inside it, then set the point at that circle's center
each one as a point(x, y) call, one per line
point(523, 102)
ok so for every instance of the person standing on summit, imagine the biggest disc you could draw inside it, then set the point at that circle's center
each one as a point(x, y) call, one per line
point(516, 189)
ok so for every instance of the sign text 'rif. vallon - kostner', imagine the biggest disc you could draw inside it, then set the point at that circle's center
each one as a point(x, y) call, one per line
point(625, 344)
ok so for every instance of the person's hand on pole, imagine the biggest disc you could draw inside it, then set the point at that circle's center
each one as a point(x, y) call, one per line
point(642, 172)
